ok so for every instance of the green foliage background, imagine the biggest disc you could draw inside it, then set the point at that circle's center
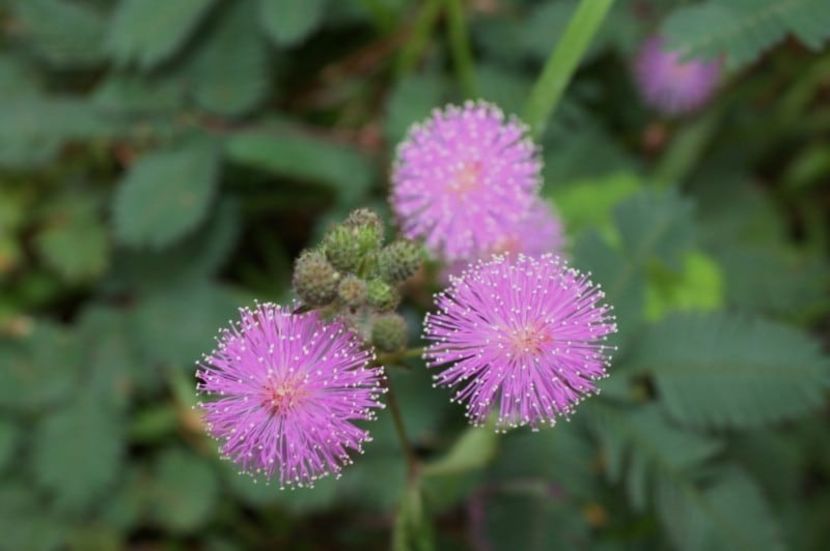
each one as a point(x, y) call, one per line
point(163, 161)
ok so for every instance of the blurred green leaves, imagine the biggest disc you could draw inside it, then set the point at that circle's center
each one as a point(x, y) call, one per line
point(288, 22)
point(184, 491)
point(148, 32)
point(290, 152)
point(77, 452)
point(740, 30)
point(718, 370)
point(166, 194)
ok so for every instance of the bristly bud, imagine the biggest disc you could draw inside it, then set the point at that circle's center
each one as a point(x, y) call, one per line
point(389, 332)
point(400, 260)
point(367, 220)
point(352, 291)
point(382, 296)
point(315, 279)
point(343, 248)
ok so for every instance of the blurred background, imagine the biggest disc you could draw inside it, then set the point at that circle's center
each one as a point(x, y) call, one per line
point(163, 161)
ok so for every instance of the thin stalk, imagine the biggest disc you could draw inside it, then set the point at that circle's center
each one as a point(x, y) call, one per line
point(460, 46)
point(396, 357)
point(563, 62)
point(422, 28)
point(685, 150)
point(400, 430)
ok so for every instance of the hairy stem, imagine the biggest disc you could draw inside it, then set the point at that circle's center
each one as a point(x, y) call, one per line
point(400, 430)
point(563, 62)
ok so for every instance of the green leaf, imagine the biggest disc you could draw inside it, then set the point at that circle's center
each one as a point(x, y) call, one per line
point(291, 153)
point(33, 128)
point(289, 22)
point(655, 225)
point(9, 440)
point(728, 513)
point(623, 282)
point(638, 444)
point(114, 370)
point(39, 369)
point(176, 325)
point(75, 244)
point(77, 452)
point(184, 492)
point(131, 93)
point(589, 203)
point(25, 522)
point(197, 256)
point(412, 531)
point(773, 280)
point(64, 33)
point(147, 32)
point(699, 286)
point(718, 370)
point(473, 450)
point(741, 30)
point(230, 71)
point(166, 194)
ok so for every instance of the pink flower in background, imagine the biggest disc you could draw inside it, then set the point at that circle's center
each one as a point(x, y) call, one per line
point(286, 389)
point(524, 337)
point(463, 179)
point(537, 233)
point(670, 85)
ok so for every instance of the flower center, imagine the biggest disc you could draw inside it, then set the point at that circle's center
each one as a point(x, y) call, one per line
point(283, 396)
point(528, 339)
point(467, 179)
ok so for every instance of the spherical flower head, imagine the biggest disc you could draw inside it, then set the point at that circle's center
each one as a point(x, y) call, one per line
point(525, 337)
point(464, 177)
point(539, 232)
point(670, 85)
point(285, 390)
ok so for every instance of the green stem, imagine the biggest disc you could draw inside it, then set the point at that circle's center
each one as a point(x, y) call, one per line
point(419, 39)
point(460, 46)
point(397, 357)
point(400, 430)
point(563, 62)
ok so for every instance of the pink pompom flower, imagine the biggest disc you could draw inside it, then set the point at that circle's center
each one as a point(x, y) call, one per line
point(285, 390)
point(463, 178)
point(525, 337)
point(670, 85)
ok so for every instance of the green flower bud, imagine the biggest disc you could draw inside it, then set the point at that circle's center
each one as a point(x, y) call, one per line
point(389, 332)
point(352, 290)
point(399, 261)
point(368, 221)
point(343, 248)
point(382, 296)
point(315, 279)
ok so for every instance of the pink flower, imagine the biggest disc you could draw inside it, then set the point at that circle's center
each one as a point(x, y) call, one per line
point(463, 179)
point(524, 337)
point(285, 391)
point(670, 85)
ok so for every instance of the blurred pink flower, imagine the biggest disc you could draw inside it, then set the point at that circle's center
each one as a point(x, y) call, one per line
point(463, 179)
point(670, 85)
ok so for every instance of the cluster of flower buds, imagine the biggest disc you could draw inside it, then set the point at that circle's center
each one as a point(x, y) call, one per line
point(352, 272)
